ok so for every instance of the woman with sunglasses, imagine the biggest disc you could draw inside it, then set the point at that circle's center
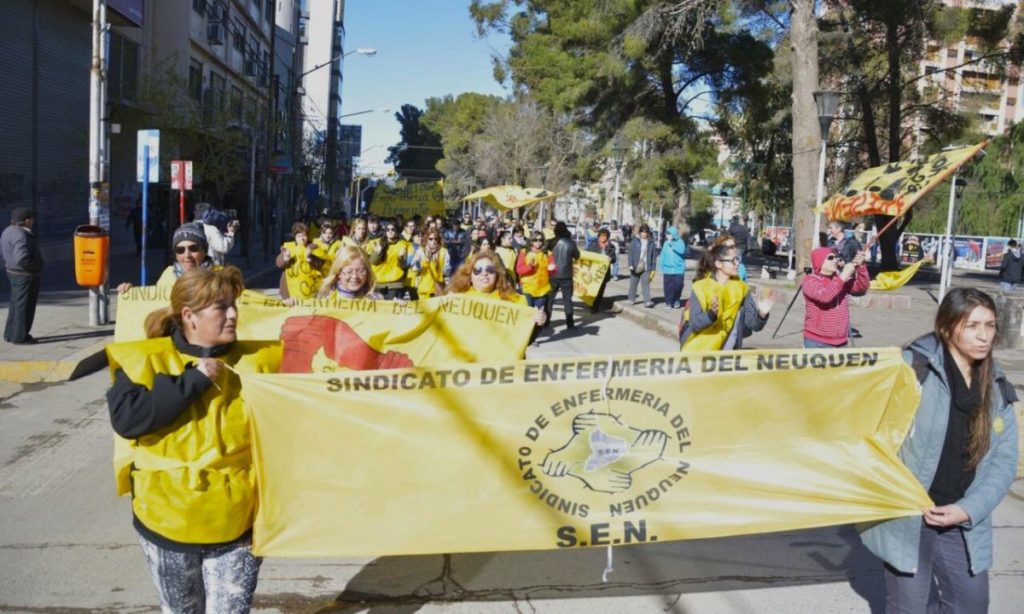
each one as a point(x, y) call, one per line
point(390, 259)
point(483, 275)
point(533, 266)
point(826, 293)
point(190, 251)
point(350, 276)
point(721, 311)
point(431, 265)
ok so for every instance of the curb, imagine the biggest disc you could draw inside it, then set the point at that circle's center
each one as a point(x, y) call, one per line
point(647, 320)
point(83, 362)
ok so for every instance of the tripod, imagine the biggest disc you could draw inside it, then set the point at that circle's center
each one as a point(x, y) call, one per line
point(791, 302)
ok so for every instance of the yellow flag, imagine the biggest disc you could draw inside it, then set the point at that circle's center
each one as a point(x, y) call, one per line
point(588, 275)
point(509, 197)
point(893, 188)
point(425, 198)
point(574, 452)
point(890, 280)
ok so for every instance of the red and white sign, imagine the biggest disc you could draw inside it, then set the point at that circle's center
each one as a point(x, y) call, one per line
point(179, 169)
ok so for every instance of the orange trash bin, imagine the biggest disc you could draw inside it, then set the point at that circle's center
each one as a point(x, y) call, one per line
point(92, 244)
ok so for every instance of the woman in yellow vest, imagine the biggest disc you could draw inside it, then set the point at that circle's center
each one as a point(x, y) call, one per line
point(721, 310)
point(534, 266)
point(431, 264)
point(184, 453)
point(507, 253)
point(190, 251)
point(301, 265)
point(326, 244)
point(350, 276)
point(389, 261)
point(483, 275)
point(358, 235)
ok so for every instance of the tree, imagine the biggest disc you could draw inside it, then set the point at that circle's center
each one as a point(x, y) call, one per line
point(416, 156)
point(459, 121)
point(604, 63)
point(803, 36)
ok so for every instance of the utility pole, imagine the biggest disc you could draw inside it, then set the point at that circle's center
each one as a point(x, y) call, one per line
point(99, 207)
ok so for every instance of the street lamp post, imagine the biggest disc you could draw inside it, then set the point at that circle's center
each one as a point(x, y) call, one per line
point(618, 154)
point(956, 190)
point(827, 101)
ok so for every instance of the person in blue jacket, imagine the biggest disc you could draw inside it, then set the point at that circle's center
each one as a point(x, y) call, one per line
point(673, 267)
point(962, 447)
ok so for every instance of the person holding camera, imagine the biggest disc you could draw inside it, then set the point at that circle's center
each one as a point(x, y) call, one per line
point(826, 291)
point(219, 241)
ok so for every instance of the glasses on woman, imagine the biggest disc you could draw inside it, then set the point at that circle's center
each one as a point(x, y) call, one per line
point(830, 257)
point(432, 239)
point(352, 273)
point(489, 270)
point(192, 249)
point(390, 229)
point(734, 260)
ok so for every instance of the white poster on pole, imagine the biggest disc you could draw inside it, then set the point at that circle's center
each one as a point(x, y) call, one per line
point(151, 138)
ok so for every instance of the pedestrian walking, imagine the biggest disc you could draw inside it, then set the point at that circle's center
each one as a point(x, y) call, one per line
point(187, 457)
point(741, 234)
point(24, 265)
point(564, 253)
point(603, 245)
point(1011, 268)
point(534, 266)
point(673, 268)
point(963, 450)
point(642, 254)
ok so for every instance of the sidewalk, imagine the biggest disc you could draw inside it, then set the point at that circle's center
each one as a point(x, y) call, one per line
point(68, 346)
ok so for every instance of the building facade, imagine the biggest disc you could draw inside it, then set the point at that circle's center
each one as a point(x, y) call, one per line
point(324, 32)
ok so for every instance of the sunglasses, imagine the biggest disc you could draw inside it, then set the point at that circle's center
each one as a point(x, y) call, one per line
point(390, 229)
point(480, 270)
point(192, 249)
point(831, 257)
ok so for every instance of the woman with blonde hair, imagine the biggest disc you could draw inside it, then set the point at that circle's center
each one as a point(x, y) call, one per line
point(358, 235)
point(185, 456)
point(350, 276)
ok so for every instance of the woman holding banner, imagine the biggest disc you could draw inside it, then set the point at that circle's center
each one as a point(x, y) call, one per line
point(721, 311)
point(350, 277)
point(483, 275)
point(963, 449)
point(186, 457)
point(190, 251)
point(389, 262)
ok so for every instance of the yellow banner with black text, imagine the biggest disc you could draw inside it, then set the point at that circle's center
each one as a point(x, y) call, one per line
point(339, 334)
point(574, 452)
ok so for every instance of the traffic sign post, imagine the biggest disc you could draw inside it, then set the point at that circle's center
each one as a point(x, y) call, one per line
point(147, 167)
point(181, 180)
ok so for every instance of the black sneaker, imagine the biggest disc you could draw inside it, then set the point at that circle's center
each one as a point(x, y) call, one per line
point(29, 340)
point(854, 333)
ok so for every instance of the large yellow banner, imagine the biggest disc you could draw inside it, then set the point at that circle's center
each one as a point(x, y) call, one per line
point(891, 189)
point(335, 335)
point(413, 199)
point(588, 274)
point(575, 452)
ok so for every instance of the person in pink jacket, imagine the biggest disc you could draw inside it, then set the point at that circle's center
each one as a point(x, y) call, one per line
point(826, 296)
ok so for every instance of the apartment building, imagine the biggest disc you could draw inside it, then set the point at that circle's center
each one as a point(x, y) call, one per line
point(323, 30)
point(975, 87)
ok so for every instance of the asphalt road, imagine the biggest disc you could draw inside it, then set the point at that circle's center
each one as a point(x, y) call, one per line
point(66, 542)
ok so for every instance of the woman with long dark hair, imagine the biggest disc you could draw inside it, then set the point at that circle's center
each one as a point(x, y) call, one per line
point(962, 447)
point(185, 455)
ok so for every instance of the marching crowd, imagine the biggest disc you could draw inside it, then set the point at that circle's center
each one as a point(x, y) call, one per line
point(176, 402)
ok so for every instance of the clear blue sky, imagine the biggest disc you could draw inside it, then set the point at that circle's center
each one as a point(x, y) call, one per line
point(425, 48)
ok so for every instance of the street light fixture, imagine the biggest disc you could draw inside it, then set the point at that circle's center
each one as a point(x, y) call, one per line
point(366, 111)
point(827, 102)
point(618, 155)
point(956, 191)
point(367, 51)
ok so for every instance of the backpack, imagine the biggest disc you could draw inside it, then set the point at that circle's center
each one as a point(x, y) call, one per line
point(217, 217)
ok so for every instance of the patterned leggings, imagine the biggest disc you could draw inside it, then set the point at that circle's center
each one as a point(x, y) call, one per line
point(219, 579)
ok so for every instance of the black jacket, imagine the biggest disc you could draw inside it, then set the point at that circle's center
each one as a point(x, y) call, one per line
point(1011, 268)
point(20, 249)
point(564, 252)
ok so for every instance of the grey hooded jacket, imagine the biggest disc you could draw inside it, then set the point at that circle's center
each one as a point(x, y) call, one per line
point(897, 542)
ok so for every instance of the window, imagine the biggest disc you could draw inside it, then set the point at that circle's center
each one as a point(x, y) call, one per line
point(1011, 102)
point(199, 6)
point(269, 14)
point(195, 80)
point(238, 36)
point(951, 53)
point(236, 103)
point(123, 71)
point(218, 91)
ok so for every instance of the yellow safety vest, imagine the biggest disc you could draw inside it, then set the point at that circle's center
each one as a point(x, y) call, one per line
point(192, 481)
point(327, 253)
point(388, 269)
point(730, 300)
point(508, 259)
point(431, 276)
point(303, 279)
point(538, 284)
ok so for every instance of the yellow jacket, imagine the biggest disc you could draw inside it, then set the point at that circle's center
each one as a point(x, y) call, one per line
point(391, 267)
point(537, 283)
point(303, 278)
point(192, 481)
point(508, 259)
point(430, 279)
point(329, 253)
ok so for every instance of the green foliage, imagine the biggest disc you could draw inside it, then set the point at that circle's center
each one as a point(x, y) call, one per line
point(415, 157)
